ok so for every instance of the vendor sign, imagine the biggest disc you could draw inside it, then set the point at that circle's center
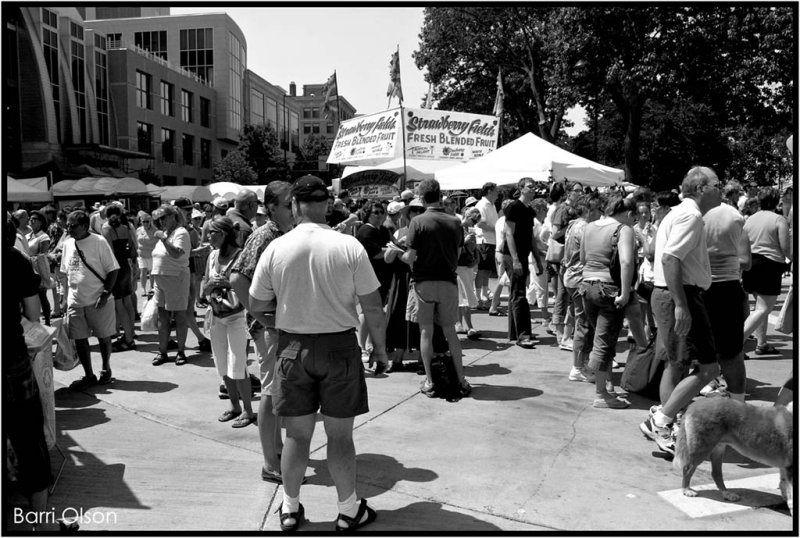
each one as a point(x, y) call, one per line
point(445, 135)
point(368, 140)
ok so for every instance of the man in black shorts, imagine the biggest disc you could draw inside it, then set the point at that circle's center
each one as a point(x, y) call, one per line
point(311, 277)
point(682, 271)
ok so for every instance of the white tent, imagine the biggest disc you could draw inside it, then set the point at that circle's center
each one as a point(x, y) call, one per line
point(527, 156)
point(415, 168)
point(17, 191)
point(229, 190)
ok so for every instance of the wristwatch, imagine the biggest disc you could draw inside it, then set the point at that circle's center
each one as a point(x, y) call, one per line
point(105, 292)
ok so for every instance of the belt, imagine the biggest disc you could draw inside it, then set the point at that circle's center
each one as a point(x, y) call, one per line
point(660, 287)
point(317, 335)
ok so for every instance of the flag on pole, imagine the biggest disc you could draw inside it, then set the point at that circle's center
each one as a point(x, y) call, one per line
point(330, 92)
point(498, 100)
point(394, 77)
point(429, 97)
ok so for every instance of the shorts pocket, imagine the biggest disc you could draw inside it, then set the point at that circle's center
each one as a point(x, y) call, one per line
point(343, 362)
point(287, 358)
point(609, 291)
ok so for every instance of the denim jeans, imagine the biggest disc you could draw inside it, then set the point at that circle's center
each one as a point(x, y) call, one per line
point(606, 320)
point(519, 310)
point(561, 302)
point(583, 334)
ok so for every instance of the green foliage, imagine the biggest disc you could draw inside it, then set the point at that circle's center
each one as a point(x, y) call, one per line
point(260, 146)
point(235, 169)
point(670, 85)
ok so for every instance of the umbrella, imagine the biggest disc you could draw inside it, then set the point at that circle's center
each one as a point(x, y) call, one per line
point(194, 193)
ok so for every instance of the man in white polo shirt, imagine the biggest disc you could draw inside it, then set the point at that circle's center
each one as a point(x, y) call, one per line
point(682, 272)
point(487, 243)
point(311, 277)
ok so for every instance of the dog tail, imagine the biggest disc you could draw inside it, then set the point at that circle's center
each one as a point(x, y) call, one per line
point(681, 448)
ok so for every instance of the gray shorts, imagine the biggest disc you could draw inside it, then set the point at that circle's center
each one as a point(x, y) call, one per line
point(433, 301)
point(85, 321)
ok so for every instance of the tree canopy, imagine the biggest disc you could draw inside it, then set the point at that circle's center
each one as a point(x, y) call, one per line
point(667, 86)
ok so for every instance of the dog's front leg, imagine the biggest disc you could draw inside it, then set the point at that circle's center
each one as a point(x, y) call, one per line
point(717, 456)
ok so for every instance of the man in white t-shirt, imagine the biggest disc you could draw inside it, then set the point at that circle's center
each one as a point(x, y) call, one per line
point(311, 278)
point(91, 269)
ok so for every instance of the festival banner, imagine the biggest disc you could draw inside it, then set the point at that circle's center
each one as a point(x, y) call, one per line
point(444, 135)
point(368, 140)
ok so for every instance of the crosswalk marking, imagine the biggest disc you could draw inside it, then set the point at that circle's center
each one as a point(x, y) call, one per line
point(755, 492)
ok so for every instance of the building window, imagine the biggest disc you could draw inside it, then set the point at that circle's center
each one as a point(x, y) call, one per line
point(143, 90)
point(169, 181)
point(49, 18)
point(187, 141)
point(197, 52)
point(144, 135)
point(205, 153)
point(50, 49)
point(315, 113)
point(76, 30)
point(237, 62)
point(223, 153)
point(205, 112)
point(168, 145)
point(271, 113)
point(315, 128)
point(186, 106)
point(306, 113)
point(167, 99)
point(189, 181)
point(329, 129)
point(114, 41)
point(306, 128)
point(155, 42)
point(101, 93)
point(256, 107)
point(99, 42)
point(294, 129)
point(77, 65)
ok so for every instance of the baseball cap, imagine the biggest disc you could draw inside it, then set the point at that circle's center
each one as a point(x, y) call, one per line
point(261, 210)
point(394, 207)
point(220, 202)
point(416, 202)
point(471, 201)
point(310, 189)
point(407, 194)
point(183, 203)
point(197, 214)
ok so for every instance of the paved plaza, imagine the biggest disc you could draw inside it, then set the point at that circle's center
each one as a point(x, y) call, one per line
point(525, 452)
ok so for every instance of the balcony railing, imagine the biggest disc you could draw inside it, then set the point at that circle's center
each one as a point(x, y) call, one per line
point(115, 44)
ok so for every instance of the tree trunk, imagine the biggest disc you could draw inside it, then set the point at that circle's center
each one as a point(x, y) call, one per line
point(544, 132)
point(632, 138)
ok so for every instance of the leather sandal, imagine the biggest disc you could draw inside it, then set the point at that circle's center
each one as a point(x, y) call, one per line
point(354, 523)
point(160, 359)
point(297, 516)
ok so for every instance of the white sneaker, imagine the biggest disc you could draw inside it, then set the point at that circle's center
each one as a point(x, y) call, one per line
point(576, 374)
point(566, 345)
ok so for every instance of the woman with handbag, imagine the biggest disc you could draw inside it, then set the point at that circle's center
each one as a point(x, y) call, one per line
point(465, 272)
point(38, 248)
point(608, 254)
point(119, 235)
point(228, 329)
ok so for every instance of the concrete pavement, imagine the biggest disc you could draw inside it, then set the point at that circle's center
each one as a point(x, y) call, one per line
point(525, 452)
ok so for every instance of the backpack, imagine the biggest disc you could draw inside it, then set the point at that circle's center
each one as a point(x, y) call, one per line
point(615, 268)
point(445, 380)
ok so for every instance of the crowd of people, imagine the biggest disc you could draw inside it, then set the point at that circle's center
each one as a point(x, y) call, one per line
point(325, 285)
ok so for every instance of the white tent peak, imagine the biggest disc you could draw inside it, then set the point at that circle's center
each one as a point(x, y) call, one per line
point(528, 156)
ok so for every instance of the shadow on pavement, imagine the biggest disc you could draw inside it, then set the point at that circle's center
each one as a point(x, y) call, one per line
point(79, 419)
point(416, 517)
point(376, 473)
point(485, 370)
point(154, 387)
point(502, 393)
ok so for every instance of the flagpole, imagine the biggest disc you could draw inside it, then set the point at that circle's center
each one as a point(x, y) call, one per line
point(338, 111)
point(402, 126)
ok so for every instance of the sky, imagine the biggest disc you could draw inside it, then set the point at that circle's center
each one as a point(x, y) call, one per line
point(306, 45)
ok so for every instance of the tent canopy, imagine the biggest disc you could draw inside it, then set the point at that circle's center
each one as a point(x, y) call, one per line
point(388, 172)
point(103, 186)
point(229, 190)
point(194, 193)
point(20, 192)
point(528, 156)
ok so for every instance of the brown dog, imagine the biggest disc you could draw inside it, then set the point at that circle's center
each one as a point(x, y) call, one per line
point(763, 434)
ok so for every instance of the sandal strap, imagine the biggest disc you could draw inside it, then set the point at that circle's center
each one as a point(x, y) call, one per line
point(355, 522)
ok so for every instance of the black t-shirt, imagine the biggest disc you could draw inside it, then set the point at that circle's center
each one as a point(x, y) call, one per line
point(26, 284)
point(335, 218)
point(374, 239)
point(522, 217)
point(436, 236)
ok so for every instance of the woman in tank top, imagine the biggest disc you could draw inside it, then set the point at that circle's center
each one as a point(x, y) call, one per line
point(608, 254)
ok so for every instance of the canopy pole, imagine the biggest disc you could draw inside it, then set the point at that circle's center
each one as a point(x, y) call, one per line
point(403, 127)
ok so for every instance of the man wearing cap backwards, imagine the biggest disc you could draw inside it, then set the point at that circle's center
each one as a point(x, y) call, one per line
point(487, 244)
point(310, 278)
point(261, 217)
point(434, 242)
point(220, 208)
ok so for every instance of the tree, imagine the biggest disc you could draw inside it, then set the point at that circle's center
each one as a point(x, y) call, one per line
point(235, 169)
point(314, 146)
point(463, 48)
point(260, 146)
